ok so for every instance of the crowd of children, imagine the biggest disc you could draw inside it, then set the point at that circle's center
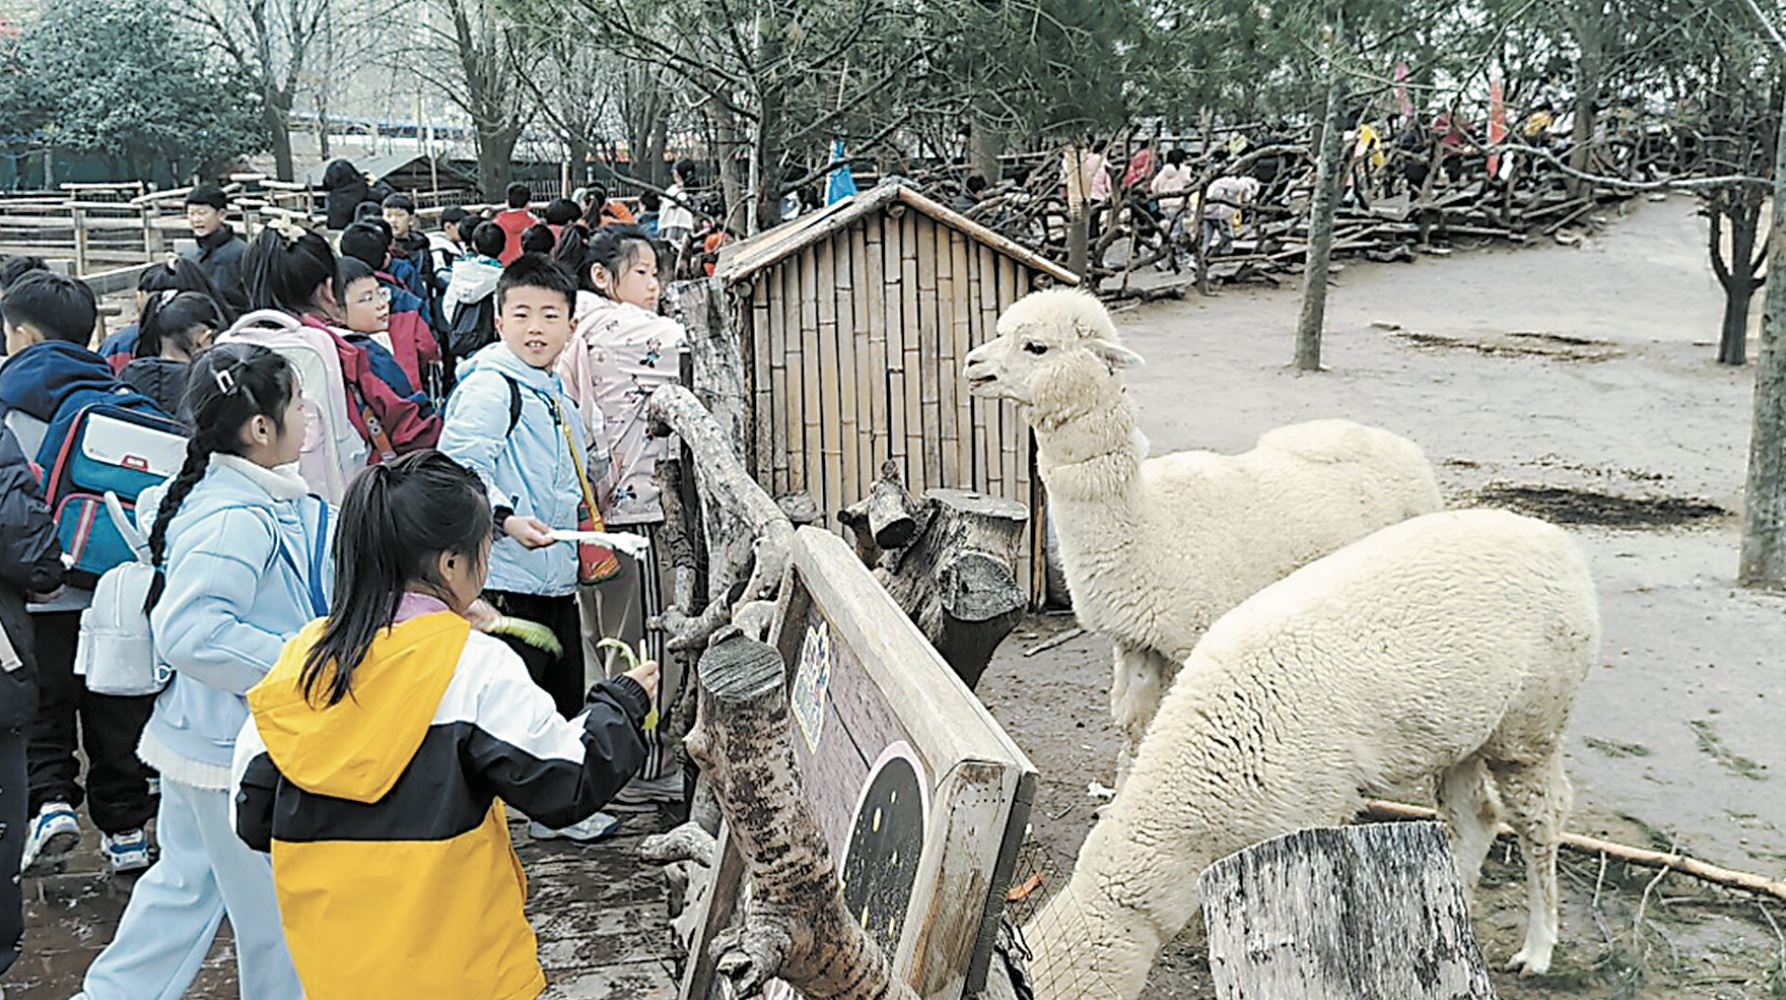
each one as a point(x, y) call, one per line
point(370, 618)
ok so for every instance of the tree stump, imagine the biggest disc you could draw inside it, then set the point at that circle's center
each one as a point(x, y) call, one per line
point(1355, 913)
point(795, 927)
point(950, 562)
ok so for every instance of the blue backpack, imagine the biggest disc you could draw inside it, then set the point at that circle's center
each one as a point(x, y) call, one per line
point(118, 442)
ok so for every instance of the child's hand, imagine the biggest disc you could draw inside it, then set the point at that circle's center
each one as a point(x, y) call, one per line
point(646, 674)
point(529, 531)
point(481, 615)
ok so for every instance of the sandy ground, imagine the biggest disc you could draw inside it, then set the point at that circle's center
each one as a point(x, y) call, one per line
point(1583, 369)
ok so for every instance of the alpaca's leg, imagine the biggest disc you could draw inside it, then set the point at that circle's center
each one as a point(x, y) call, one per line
point(1470, 813)
point(1537, 800)
point(1138, 683)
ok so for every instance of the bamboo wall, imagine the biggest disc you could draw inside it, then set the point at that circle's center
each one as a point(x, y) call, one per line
point(854, 356)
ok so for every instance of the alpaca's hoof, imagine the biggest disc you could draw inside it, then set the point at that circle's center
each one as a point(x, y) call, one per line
point(1533, 964)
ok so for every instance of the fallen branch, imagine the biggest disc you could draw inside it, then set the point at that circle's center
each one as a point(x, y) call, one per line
point(1060, 640)
point(1728, 877)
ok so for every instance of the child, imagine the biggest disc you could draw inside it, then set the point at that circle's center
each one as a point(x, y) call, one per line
point(49, 321)
point(29, 563)
point(621, 352)
point(475, 277)
point(176, 328)
point(245, 552)
point(366, 316)
point(530, 460)
point(451, 245)
point(298, 275)
point(539, 239)
point(561, 212)
point(514, 221)
point(411, 337)
point(678, 219)
point(408, 242)
point(390, 730)
point(179, 275)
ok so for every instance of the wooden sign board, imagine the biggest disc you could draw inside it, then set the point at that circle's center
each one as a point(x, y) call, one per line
point(922, 797)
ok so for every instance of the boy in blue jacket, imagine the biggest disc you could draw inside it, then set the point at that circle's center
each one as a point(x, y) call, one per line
point(510, 422)
point(49, 320)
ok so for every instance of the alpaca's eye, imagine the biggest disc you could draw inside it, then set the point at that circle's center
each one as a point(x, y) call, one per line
point(1035, 348)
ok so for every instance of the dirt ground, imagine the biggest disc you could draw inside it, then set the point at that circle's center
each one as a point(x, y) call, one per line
point(1576, 384)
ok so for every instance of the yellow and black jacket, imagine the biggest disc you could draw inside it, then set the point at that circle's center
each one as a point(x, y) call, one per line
point(383, 813)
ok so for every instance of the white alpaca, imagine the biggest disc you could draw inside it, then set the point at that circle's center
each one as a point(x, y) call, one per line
point(1446, 649)
point(1157, 549)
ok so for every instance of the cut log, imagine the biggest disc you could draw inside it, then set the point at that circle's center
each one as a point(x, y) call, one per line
point(884, 517)
point(794, 926)
point(1353, 913)
point(957, 578)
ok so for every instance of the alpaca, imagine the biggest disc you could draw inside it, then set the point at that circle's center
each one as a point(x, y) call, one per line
point(1445, 649)
point(1157, 549)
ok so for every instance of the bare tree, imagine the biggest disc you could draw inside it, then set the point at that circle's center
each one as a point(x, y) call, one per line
point(270, 42)
point(471, 59)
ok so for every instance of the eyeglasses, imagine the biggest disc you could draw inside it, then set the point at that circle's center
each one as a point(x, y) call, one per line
point(381, 294)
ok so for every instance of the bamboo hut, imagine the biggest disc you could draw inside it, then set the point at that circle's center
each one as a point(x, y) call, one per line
point(852, 323)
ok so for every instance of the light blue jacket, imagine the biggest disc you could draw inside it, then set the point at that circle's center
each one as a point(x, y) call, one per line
point(528, 469)
point(243, 552)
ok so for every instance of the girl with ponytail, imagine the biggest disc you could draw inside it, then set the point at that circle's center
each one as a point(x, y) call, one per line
point(174, 329)
point(621, 351)
point(243, 554)
point(381, 748)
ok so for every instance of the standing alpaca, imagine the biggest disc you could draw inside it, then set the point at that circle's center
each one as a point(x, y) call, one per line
point(1444, 651)
point(1157, 549)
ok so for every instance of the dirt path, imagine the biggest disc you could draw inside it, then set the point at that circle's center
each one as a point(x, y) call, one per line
point(1577, 384)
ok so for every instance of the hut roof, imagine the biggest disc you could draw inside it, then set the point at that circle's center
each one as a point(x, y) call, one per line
point(381, 167)
point(741, 260)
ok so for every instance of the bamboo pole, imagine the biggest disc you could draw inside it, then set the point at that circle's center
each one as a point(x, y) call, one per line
point(1728, 877)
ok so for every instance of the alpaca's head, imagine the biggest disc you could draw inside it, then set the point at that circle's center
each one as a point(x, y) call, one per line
point(1053, 347)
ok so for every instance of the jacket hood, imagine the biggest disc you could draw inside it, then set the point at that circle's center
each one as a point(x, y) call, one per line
point(357, 748)
point(40, 377)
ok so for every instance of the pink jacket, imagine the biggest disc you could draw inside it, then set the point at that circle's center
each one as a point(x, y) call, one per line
point(619, 355)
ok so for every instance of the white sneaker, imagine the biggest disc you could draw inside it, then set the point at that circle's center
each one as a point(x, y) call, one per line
point(590, 830)
point(126, 852)
point(52, 833)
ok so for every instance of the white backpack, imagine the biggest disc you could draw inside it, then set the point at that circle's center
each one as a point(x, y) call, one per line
point(115, 653)
point(333, 451)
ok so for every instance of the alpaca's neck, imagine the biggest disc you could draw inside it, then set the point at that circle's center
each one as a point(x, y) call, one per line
point(1091, 448)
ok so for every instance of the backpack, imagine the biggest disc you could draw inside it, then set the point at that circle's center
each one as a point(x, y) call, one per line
point(333, 449)
point(473, 328)
point(119, 443)
point(115, 653)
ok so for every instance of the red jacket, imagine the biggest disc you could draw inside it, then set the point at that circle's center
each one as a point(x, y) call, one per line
point(400, 419)
point(412, 343)
point(513, 222)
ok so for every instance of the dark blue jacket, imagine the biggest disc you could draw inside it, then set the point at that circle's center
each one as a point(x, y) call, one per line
point(43, 379)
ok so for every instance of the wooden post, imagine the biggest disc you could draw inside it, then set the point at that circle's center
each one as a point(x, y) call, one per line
point(79, 216)
point(1335, 914)
point(1321, 210)
point(154, 240)
point(1763, 562)
point(795, 927)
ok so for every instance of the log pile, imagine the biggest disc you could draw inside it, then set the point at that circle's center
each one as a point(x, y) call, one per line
point(1411, 201)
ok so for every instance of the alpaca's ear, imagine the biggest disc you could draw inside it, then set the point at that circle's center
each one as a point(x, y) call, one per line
point(1115, 355)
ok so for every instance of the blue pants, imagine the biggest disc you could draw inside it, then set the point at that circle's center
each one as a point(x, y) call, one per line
point(204, 873)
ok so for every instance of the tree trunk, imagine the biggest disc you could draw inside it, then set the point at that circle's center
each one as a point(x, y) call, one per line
point(1764, 509)
point(1733, 342)
point(276, 115)
point(985, 143)
point(950, 563)
point(1373, 910)
point(1587, 94)
point(496, 150)
point(1078, 224)
point(1741, 210)
point(577, 151)
point(1321, 210)
point(795, 927)
point(725, 130)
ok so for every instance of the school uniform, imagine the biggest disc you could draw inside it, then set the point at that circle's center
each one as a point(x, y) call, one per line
point(528, 459)
point(247, 566)
point(29, 562)
point(384, 812)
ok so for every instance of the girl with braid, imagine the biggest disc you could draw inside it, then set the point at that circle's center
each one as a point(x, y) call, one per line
point(243, 551)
